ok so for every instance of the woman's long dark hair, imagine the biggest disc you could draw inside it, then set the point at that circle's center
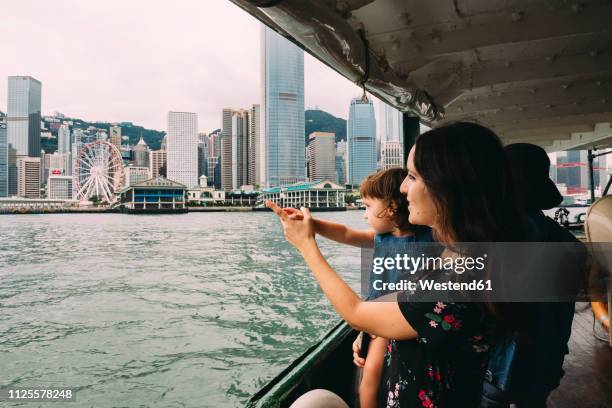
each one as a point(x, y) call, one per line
point(465, 169)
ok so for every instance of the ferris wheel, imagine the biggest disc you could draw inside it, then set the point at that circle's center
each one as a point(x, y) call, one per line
point(98, 172)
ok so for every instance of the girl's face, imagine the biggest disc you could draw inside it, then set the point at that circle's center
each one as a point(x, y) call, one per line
point(377, 216)
point(422, 208)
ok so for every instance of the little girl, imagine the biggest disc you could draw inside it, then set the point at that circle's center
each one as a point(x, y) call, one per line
point(386, 211)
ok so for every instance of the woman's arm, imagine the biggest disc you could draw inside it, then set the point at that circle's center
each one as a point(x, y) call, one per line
point(343, 234)
point(381, 318)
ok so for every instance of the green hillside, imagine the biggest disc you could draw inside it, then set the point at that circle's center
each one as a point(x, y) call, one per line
point(320, 121)
point(133, 132)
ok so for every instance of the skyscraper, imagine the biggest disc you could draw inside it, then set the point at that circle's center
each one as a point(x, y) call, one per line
point(59, 187)
point(254, 150)
point(236, 156)
point(3, 159)
point(182, 148)
point(64, 142)
point(391, 137)
point(157, 160)
point(391, 124)
point(59, 163)
point(23, 115)
point(115, 136)
point(141, 154)
point(321, 156)
point(226, 149)
point(203, 153)
point(282, 146)
point(28, 177)
point(361, 141)
point(392, 155)
point(341, 162)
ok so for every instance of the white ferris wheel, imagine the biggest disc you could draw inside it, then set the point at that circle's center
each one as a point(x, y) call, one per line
point(98, 172)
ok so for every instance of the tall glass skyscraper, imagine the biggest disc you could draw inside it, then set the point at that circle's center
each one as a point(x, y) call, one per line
point(283, 146)
point(23, 123)
point(391, 129)
point(64, 143)
point(361, 141)
point(391, 137)
point(23, 115)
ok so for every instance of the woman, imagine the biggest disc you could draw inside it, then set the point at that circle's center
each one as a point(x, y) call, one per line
point(459, 185)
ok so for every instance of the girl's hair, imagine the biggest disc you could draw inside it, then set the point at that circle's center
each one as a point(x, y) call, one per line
point(385, 185)
point(465, 169)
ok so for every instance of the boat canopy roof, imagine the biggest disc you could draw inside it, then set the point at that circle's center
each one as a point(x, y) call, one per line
point(537, 71)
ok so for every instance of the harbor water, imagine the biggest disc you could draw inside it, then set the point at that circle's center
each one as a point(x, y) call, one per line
point(190, 310)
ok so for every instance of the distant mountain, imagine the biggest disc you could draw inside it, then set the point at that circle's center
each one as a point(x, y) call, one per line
point(320, 121)
point(152, 137)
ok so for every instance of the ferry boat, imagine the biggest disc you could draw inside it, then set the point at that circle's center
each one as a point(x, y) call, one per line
point(533, 71)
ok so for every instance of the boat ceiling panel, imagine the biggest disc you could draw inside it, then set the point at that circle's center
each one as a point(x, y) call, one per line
point(533, 70)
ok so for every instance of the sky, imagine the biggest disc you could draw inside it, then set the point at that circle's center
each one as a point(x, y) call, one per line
point(134, 60)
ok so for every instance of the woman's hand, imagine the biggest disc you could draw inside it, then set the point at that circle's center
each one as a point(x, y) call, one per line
point(299, 231)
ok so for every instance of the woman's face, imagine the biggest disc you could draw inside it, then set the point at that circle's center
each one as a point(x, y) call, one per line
point(422, 208)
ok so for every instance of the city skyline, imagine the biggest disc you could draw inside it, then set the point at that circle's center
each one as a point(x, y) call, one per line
point(189, 71)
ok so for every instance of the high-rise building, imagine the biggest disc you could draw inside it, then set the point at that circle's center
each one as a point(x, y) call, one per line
point(341, 162)
point(254, 150)
point(203, 154)
point(23, 115)
point(215, 142)
point(182, 148)
point(235, 154)
point(391, 124)
point(45, 160)
point(64, 142)
point(141, 154)
point(361, 141)
point(157, 160)
point(59, 187)
point(226, 148)
point(115, 136)
point(136, 174)
point(392, 155)
point(283, 145)
point(391, 137)
point(321, 156)
point(3, 159)
point(240, 145)
point(28, 177)
point(60, 162)
point(214, 172)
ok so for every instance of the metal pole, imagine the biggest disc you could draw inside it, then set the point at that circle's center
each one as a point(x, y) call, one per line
point(591, 175)
point(411, 126)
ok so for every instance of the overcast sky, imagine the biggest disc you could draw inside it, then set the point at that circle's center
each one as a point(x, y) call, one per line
point(134, 60)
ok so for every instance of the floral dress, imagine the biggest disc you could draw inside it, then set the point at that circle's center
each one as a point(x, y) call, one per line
point(444, 366)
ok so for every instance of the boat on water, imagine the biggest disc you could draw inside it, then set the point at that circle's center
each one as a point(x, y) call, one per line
point(533, 71)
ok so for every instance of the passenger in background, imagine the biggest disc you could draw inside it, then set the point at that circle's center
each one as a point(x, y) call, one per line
point(545, 327)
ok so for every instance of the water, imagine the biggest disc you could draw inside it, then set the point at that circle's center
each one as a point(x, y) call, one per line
point(189, 310)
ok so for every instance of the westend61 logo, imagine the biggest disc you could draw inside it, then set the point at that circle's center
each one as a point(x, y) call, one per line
point(409, 264)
